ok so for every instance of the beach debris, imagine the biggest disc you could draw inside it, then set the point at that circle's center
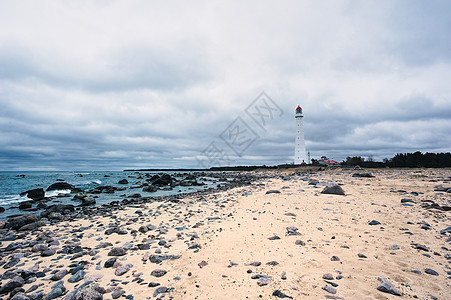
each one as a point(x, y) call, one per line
point(387, 287)
point(117, 251)
point(273, 238)
point(158, 273)
point(291, 230)
point(419, 247)
point(368, 175)
point(335, 258)
point(328, 276)
point(202, 264)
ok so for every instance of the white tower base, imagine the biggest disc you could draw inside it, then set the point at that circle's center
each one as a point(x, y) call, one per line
point(300, 154)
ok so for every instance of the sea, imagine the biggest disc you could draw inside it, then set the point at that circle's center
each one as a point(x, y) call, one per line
point(13, 183)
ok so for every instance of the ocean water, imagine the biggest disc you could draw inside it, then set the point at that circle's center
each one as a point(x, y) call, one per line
point(12, 183)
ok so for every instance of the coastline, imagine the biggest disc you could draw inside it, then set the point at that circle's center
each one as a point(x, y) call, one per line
point(210, 245)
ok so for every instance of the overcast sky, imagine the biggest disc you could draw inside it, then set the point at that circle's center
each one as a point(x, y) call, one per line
point(108, 85)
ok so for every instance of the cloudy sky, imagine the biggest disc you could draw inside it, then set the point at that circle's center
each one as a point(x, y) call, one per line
point(109, 85)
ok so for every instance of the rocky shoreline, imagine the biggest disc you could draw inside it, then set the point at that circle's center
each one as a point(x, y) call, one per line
point(335, 234)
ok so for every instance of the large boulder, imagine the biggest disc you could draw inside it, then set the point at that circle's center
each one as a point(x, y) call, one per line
point(11, 285)
point(35, 194)
point(25, 204)
point(60, 186)
point(58, 208)
point(164, 179)
point(19, 221)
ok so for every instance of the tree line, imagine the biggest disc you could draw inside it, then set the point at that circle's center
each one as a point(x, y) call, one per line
point(403, 160)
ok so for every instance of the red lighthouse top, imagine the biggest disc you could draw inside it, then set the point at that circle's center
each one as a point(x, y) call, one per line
point(298, 107)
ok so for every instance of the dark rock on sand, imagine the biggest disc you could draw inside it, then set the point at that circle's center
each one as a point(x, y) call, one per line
point(35, 194)
point(58, 208)
point(369, 175)
point(117, 251)
point(59, 275)
point(329, 289)
point(77, 276)
point(19, 296)
point(387, 287)
point(279, 294)
point(334, 190)
point(156, 259)
point(374, 222)
point(158, 273)
point(19, 221)
point(273, 192)
point(430, 272)
point(11, 285)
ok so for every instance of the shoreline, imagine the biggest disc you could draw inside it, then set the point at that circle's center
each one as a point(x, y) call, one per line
point(211, 244)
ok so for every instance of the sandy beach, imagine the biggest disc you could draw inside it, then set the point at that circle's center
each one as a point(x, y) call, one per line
point(280, 237)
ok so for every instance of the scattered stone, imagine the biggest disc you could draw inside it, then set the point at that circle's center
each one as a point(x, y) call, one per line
point(263, 280)
point(59, 275)
point(158, 273)
point(360, 255)
point(335, 258)
point(15, 282)
point(121, 270)
point(202, 264)
point(279, 294)
point(394, 247)
point(387, 287)
point(328, 276)
point(117, 251)
point(334, 190)
point(275, 237)
point(329, 289)
point(77, 276)
point(374, 222)
point(156, 259)
point(272, 192)
point(430, 272)
point(291, 230)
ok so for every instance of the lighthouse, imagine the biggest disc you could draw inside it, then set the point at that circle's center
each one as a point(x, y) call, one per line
point(300, 155)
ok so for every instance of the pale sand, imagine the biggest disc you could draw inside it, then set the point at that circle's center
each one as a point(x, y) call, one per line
point(330, 225)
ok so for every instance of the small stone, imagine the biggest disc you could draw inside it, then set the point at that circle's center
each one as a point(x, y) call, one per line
point(275, 237)
point(153, 284)
point(158, 273)
point(279, 294)
point(430, 272)
point(328, 276)
point(334, 190)
point(329, 289)
point(117, 251)
point(360, 255)
point(77, 276)
point(387, 287)
point(202, 264)
point(263, 280)
point(121, 270)
point(272, 192)
point(110, 262)
point(335, 258)
point(394, 247)
point(374, 222)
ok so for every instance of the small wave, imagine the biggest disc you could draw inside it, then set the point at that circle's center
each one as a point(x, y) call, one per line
point(97, 181)
point(11, 199)
point(56, 193)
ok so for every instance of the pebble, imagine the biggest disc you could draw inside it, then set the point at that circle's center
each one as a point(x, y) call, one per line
point(374, 222)
point(279, 294)
point(329, 289)
point(328, 276)
point(430, 272)
point(387, 287)
point(158, 273)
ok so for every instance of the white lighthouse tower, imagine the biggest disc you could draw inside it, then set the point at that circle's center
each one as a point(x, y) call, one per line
point(300, 155)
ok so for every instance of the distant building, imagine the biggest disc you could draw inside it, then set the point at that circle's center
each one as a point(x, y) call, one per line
point(300, 155)
point(328, 162)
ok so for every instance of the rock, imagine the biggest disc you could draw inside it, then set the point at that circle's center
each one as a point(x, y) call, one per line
point(11, 263)
point(299, 242)
point(165, 179)
point(150, 189)
point(15, 282)
point(2, 209)
point(360, 255)
point(121, 270)
point(329, 289)
point(279, 294)
point(328, 276)
point(387, 287)
point(156, 259)
point(272, 192)
point(48, 252)
point(58, 208)
point(419, 247)
point(394, 247)
point(202, 264)
point(37, 296)
point(158, 273)
point(446, 230)
point(123, 181)
point(87, 291)
point(369, 175)
point(263, 280)
point(19, 296)
point(334, 190)
point(57, 291)
point(19, 221)
point(59, 275)
point(272, 263)
point(117, 294)
point(77, 276)
point(291, 230)
point(275, 237)
point(430, 272)
point(335, 258)
point(160, 290)
point(60, 186)
point(32, 226)
point(110, 262)
point(35, 194)
point(374, 222)
point(25, 204)
point(117, 251)
point(153, 284)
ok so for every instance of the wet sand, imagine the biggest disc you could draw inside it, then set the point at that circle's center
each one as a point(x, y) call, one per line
point(246, 244)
